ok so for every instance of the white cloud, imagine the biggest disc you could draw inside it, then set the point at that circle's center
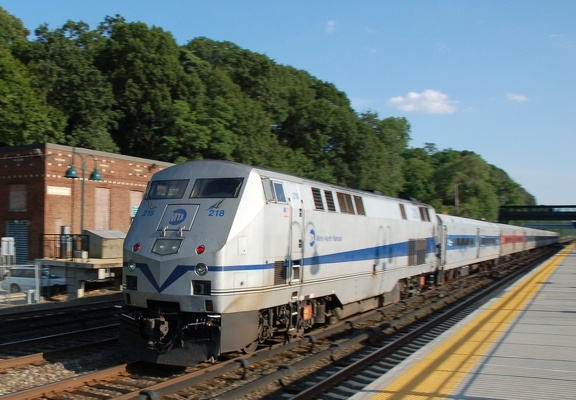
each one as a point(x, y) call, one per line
point(517, 98)
point(331, 26)
point(371, 49)
point(441, 47)
point(561, 41)
point(429, 101)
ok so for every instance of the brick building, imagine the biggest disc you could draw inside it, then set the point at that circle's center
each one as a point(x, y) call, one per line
point(38, 196)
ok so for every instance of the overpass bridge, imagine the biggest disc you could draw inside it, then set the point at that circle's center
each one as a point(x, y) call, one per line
point(562, 216)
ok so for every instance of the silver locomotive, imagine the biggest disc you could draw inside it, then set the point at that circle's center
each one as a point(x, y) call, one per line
point(223, 256)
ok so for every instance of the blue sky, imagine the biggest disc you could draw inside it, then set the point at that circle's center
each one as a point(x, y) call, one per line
point(494, 77)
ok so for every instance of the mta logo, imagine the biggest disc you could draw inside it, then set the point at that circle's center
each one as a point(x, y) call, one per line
point(178, 216)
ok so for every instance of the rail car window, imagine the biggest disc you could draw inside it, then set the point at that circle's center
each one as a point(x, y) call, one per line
point(216, 188)
point(359, 205)
point(173, 189)
point(317, 195)
point(402, 211)
point(330, 200)
point(345, 202)
point(464, 241)
point(488, 241)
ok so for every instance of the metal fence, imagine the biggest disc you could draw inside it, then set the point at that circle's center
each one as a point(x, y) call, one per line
point(63, 246)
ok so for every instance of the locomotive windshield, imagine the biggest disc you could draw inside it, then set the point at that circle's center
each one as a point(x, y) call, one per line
point(216, 188)
point(173, 189)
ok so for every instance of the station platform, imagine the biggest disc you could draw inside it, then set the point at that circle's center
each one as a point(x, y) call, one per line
point(519, 345)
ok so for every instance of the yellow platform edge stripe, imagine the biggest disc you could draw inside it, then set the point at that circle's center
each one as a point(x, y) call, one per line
point(437, 374)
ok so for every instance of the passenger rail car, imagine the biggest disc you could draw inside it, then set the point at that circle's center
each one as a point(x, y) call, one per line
point(222, 256)
point(466, 243)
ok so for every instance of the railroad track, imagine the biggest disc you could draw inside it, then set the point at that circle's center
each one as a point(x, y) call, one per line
point(14, 354)
point(349, 374)
point(36, 358)
point(34, 321)
point(292, 366)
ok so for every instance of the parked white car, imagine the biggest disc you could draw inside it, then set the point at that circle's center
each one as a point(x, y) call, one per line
point(22, 279)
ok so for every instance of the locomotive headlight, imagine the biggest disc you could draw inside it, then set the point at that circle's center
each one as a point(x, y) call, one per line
point(201, 269)
point(166, 246)
point(131, 265)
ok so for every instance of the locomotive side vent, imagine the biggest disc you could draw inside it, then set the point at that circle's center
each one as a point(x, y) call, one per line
point(279, 273)
point(416, 251)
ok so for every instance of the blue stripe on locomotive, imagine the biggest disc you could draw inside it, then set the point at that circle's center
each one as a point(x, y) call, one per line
point(379, 252)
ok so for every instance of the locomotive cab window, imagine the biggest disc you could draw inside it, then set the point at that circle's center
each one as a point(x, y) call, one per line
point(173, 189)
point(216, 188)
point(279, 191)
point(274, 191)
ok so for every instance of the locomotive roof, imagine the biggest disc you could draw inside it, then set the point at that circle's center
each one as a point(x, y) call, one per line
point(245, 169)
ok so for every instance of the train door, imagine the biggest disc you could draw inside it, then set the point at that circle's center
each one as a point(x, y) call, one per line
point(296, 238)
point(443, 243)
point(277, 230)
point(477, 242)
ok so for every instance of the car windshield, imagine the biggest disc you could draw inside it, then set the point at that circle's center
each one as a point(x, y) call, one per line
point(49, 275)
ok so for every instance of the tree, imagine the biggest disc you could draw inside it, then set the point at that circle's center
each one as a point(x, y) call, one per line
point(128, 87)
point(61, 63)
point(23, 119)
point(143, 65)
point(394, 134)
point(463, 181)
point(509, 193)
point(418, 170)
point(12, 31)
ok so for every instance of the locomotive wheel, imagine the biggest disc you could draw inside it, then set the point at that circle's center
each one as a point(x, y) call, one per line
point(250, 348)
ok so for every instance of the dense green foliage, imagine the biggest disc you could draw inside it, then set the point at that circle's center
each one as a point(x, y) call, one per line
point(129, 88)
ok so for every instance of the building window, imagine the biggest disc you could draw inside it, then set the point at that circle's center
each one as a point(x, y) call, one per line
point(102, 209)
point(18, 194)
point(135, 199)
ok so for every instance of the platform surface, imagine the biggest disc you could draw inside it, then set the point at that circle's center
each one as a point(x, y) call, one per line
point(519, 346)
